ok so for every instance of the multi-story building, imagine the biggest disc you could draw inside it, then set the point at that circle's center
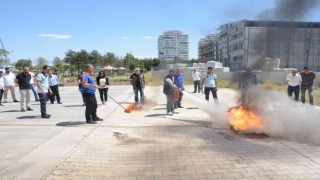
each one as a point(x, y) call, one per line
point(207, 48)
point(249, 43)
point(173, 44)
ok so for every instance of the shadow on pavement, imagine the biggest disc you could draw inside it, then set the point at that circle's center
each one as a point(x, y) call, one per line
point(73, 106)
point(154, 115)
point(11, 111)
point(200, 123)
point(70, 123)
point(192, 108)
point(28, 117)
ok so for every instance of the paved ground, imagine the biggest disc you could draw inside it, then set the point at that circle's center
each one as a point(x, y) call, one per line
point(144, 144)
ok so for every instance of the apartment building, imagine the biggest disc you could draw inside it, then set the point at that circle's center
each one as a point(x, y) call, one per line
point(173, 44)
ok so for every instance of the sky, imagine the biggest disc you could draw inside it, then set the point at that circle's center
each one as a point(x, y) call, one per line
point(48, 28)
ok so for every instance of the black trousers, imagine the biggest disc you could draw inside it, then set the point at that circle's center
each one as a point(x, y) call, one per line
point(207, 91)
point(55, 93)
point(103, 94)
point(196, 86)
point(91, 106)
point(43, 103)
point(178, 103)
point(1, 93)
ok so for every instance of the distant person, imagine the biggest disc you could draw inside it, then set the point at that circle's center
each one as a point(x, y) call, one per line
point(294, 81)
point(103, 81)
point(9, 84)
point(54, 86)
point(168, 90)
point(179, 82)
point(138, 83)
point(247, 80)
point(1, 87)
point(33, 87)
point(81, 86)
point(23, 80)
point(307, 84)
point(44, 90)
point(89, 90)
point(209, 81)
point(196, 76)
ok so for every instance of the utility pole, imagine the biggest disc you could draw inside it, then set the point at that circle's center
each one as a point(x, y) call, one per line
point(4, 53)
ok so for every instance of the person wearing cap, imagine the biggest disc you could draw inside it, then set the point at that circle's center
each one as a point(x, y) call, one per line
point(247, 81)
point(138, 83)
point(44, 90)
point(9, 84)
point(294, 81)
point(210, 84)
point(179, 82)
point(168, 90)
point(1, 87)
point(23, 80)
point(307, 84)
point(89, 90)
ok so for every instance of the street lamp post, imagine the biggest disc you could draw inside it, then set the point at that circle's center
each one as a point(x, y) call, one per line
point(4, 53)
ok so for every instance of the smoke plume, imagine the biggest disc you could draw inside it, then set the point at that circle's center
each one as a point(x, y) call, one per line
point(289, 10)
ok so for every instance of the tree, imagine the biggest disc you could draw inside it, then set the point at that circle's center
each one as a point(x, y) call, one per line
point(109, 59)
point(4, 56)
point(57, 62)
point(129, 61)
point(41, 61)
point(23, 63)
point(95, 58)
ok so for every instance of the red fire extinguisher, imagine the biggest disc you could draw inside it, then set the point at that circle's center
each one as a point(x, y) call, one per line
point(175, 95)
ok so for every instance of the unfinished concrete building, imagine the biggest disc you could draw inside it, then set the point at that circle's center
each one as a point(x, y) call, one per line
point(249, 43)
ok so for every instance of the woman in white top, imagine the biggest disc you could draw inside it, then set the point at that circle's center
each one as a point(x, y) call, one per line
point(103, 81)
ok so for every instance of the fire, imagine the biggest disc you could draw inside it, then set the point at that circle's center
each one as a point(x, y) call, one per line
point(130, 108)
point(243, 119)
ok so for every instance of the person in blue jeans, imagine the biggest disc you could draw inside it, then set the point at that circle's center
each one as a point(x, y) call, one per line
point(179, 82)
point(138, 83)
point(294, 81)
point(44, 90)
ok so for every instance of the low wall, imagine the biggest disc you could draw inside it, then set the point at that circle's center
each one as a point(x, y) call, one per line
point(276, 76)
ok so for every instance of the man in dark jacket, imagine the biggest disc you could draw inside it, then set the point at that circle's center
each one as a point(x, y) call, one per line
point(307, 84)
point(138, 83)
point(168, 90)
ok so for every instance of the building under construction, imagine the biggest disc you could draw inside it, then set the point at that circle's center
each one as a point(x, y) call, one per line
point(249, 43)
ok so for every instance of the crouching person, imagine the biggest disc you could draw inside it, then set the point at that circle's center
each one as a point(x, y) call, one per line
point(168, 90)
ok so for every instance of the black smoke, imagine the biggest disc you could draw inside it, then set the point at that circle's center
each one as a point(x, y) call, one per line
point(289, 10)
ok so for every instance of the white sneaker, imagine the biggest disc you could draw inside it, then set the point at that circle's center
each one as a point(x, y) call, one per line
point(170, 113)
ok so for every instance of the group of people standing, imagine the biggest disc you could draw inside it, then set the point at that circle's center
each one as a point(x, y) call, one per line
point(301, 81)
point(174, 82)
point(44, 86)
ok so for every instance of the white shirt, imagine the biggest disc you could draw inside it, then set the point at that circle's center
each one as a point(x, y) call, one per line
point(294, 80)
point(196, 76)
point(32, 77)
point(102, 82)
point(9, 79)
point(209, 80)
point(1, 83)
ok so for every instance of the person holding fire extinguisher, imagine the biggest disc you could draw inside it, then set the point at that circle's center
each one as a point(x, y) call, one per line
point(168, 89)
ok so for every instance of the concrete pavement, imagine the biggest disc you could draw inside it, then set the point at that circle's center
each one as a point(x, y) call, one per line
point(144, 144)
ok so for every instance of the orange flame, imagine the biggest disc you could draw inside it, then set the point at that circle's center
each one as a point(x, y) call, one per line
point(130, 108)
point(243, 119)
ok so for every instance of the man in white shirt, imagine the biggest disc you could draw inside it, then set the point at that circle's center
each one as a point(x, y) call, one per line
point(54, 86)
point(1, 87)
point(196, 80)
point(294, 81)
point(33, 87)
point(9, 84)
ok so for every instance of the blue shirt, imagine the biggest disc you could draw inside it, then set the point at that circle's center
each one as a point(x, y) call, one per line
point(179, 81)
point(44, 82)
point(209, 80)
point(90, 80)
point(53, 80)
